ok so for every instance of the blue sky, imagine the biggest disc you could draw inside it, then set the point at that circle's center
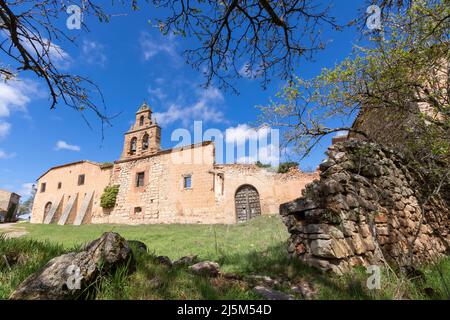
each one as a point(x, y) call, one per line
point(131, 61)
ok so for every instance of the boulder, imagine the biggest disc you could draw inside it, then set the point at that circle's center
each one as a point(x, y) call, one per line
point(70, 275)
point(164, 260)
point(186, 261)
point(206, 268)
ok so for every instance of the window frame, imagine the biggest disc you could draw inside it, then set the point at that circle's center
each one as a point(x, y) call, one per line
point(138, 180)
point(43, 187)
point(81, 179)
point(187, 177)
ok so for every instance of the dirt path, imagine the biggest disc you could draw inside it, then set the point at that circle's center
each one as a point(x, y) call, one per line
point(12, 230)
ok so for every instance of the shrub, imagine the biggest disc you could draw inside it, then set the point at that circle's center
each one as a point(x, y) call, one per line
point(262, 165)
point(285, 166)
point(108, 198)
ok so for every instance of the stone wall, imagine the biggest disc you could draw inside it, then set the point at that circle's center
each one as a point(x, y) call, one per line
point(273, 188)
point(365, 209)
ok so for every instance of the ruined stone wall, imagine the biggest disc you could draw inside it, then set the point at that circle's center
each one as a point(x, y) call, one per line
point(365, 209)
point(273, 188)
point(5, 199)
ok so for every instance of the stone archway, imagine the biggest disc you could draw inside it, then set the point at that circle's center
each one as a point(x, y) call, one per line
point(47, 208)
point(247, 203)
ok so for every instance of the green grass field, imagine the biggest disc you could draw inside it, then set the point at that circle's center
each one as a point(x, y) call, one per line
point(256, 247)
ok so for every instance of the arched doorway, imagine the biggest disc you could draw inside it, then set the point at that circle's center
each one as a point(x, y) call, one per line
point(247, 203)
point(47, 208)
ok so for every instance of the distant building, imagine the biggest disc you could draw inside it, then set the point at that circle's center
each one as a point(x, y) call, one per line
point(9, 202)
point(159, 186)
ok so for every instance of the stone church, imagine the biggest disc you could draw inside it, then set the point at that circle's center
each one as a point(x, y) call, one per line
point(160, 186)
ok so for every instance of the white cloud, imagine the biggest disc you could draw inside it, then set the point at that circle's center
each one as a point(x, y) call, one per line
point(242, 133)
point(151, 47)
point(269, 154)
point(25, 190)
point(4, 129)
point(14, 96)
point(157, 93)
point(205, 108)
point(4, 155)
point(57, 55)
point(93, 52)
point(62, 145)
point(250, 72)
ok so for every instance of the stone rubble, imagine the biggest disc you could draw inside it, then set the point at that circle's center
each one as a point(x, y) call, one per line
point(364, 210)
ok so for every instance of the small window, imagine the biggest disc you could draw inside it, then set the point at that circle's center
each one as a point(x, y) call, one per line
point(59, 185)
point(81, 179)
point(140, 179)
point(141, 121)
point(137, 209)
point(187, 182)
point(43, 185)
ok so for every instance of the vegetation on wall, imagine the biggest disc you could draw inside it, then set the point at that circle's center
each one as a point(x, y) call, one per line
point(108, 198)
point(262, 165)
point(285, 166)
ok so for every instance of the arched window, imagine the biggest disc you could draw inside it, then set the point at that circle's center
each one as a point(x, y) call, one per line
point(133, 145)
point(145, 142)
point(141, 121)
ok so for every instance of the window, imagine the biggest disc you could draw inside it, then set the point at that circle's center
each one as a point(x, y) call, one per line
point(43, 185)
point(187, 183)
point(141, 121)
point(140, 179)
point(145, 142)
point(59, 185)
point(137, 209)
point(133, 145)
point(81, 179)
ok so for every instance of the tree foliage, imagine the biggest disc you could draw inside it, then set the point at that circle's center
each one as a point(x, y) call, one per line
point(404, 65)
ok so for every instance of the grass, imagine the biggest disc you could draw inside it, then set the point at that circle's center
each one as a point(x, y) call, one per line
point(256, 247)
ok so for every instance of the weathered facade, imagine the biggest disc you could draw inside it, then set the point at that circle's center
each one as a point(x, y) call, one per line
point(9, 202)
point(180, 185)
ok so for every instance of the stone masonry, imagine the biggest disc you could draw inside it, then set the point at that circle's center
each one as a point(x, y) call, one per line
point(365, 209)
point(152, 185)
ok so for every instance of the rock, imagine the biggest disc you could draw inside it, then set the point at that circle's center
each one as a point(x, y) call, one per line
point(231, 276)
point(138, 244)
point(165, 260)
point(306, 289)
point(70, 275)
point(206, 268)
point(264, 280)
point(270, 294)
point(186, 261)
point(326, 164)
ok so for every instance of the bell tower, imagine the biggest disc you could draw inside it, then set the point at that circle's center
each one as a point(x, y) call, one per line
point(144, 136)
